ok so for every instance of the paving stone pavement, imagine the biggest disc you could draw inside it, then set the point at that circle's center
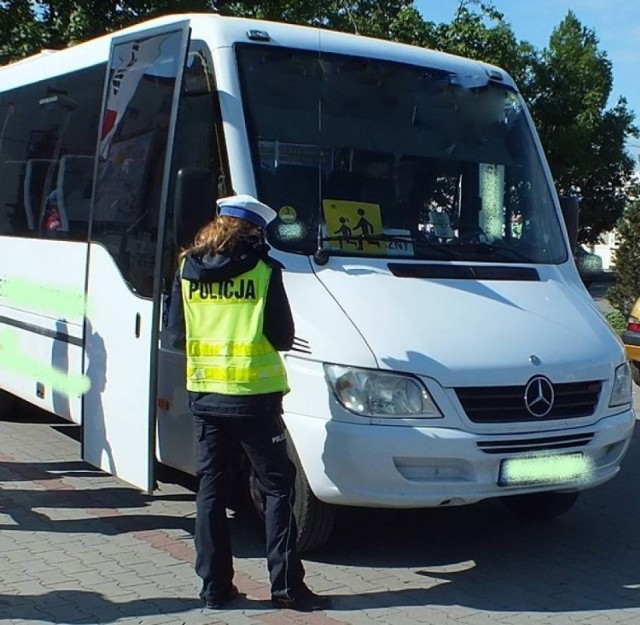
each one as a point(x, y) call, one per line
point(78, 546)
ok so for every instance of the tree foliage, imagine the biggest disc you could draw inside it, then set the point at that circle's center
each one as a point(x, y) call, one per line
point(584, 140)
point(20, 34)
point(27, 26)
point(567, 84)
point(627, 288)
point(478, 31)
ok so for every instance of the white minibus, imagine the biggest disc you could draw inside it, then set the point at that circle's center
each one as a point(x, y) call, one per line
point(446, 350)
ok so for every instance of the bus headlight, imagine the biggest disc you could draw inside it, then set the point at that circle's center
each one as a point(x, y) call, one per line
point(375, 393)
point(621, 392)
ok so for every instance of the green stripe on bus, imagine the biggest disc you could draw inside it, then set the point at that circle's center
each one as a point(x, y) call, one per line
point(13, 359)
point(51, 299)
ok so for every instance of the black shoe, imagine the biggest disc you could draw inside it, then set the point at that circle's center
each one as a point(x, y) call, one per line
point(303, 601)
point(218, 601)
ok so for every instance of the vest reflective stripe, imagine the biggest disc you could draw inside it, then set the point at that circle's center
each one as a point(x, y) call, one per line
point(227, 348)
point(231, 374)
point(227, 351)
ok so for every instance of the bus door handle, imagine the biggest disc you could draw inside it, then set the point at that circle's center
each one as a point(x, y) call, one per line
point(138, 323)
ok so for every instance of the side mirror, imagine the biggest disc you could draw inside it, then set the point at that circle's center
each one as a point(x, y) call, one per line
point(570, 206)
point(194, 202)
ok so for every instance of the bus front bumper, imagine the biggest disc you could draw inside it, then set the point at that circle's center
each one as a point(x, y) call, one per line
point(414, 467)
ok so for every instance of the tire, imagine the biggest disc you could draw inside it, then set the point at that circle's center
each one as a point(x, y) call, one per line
point(315, 519)
point(635, 373)
point(8, 403)
point(540, 506)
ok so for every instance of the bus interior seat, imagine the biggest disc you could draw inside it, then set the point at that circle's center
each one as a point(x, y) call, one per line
point(62, 211)
point(40, 177)
point(441, 225)
point(75, 179)
point(12, 197)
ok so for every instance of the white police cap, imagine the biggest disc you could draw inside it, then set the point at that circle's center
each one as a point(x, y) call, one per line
point(247, 207)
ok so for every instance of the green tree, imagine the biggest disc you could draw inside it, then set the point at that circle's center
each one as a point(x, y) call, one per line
point(478, 31)
point(584, 141)
point(567, 85)
point(292, 11)
point(627, 288)
point(396, 20)
point(27, 26)
point(20, 33)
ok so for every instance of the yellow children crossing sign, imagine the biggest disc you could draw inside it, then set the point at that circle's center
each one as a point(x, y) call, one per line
point(352, 222)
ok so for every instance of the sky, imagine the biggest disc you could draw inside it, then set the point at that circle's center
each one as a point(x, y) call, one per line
point(616, 24)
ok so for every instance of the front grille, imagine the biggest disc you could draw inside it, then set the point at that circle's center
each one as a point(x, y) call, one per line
point(548, 443)
point(505, 404)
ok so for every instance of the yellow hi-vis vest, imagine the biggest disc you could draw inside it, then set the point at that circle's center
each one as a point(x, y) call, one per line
point(226, 350)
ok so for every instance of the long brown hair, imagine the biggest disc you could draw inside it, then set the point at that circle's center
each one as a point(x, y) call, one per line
point(222, 235)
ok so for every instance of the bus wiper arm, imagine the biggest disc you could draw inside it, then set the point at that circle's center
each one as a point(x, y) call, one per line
point(373, 238)
point(321, 255)
point(370, 238)
point(484, 248)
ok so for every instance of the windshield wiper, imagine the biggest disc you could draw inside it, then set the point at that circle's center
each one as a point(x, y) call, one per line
point(322, 253)
point(371, 238)
point(452, 250)
point(426, 248)
point(496, 248)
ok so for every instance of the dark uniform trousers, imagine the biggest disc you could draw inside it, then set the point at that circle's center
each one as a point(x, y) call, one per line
point(263, 440)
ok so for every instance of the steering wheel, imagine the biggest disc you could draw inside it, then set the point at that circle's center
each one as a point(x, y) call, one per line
point(478, 235)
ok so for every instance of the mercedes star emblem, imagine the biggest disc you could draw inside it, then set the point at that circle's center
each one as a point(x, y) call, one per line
point(539, 396)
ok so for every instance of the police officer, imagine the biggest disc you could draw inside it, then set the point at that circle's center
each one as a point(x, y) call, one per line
point(230, 310)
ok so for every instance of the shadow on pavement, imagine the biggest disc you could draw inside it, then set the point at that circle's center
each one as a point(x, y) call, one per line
point(82, 607)
point(21, 471)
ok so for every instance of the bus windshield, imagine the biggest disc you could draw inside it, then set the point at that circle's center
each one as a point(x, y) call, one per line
point(365, 157)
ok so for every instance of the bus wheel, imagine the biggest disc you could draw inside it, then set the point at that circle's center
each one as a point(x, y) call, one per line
point(540, 506)
point(7, 404)
point(315, 518)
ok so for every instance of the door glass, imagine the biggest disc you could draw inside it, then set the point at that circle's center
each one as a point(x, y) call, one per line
point(133, 141)
point(198, 142)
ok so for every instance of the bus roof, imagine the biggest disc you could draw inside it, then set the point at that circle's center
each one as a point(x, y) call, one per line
point(222, 31)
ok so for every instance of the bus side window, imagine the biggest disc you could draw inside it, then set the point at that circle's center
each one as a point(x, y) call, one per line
point(40, 124)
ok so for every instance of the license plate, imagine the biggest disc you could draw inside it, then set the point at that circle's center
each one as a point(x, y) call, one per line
point(544, 469)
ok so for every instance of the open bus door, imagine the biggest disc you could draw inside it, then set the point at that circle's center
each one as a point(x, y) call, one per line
point(140, 101)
